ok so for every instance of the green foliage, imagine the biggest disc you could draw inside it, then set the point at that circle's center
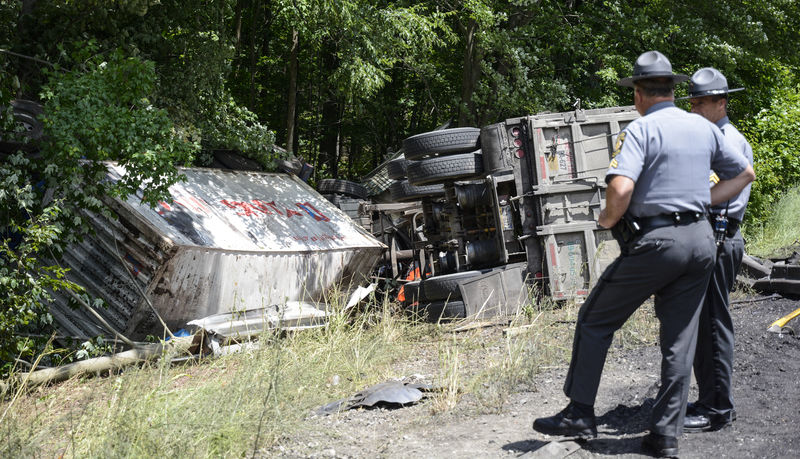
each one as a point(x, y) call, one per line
point(93, 348)
point(779, 234)
point(774, 134)
point(97, 112)
point(228, 125)
point(187, 44)
point(103, 113)
point(155, 83)
point(24, 281)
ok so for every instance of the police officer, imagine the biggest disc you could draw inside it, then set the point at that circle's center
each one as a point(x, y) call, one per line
point(713, 360)
point(658, 191)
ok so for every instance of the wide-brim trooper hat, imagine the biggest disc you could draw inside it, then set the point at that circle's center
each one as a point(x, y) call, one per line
point(708, 81)
point(652, 64)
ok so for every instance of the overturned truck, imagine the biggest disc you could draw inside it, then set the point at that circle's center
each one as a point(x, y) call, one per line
point(507, 207)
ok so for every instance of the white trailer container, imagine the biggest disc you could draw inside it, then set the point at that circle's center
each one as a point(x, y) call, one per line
point(227, 243)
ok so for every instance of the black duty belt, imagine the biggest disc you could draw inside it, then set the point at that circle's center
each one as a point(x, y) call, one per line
point(733, 224)
point(671, 219)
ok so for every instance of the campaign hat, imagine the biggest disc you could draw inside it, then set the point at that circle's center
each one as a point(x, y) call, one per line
point(708, 81)
point(652, 64)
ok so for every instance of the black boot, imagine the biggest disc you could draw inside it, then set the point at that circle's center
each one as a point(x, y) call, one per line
point(699, 418)
point(570, 422)
point(660, 445)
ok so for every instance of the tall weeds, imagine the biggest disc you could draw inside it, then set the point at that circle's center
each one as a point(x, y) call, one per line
point(780, 235)
point(243, 404)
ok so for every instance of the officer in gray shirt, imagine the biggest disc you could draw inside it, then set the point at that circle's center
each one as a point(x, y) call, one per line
point(713, 360)
point(656, 201)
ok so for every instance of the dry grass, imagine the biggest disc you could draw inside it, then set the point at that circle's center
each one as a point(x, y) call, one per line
point(244, 403)
point(780, 235)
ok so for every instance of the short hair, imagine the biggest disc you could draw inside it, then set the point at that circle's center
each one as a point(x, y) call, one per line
point(655, 87)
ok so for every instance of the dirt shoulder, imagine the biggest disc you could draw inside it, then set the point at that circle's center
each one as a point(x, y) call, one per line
point(766, 390)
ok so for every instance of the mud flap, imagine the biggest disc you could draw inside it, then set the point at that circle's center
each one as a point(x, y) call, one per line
point(499, 292)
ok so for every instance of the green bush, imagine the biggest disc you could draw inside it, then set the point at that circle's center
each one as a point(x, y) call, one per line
point(774, 134)
point(95, 112)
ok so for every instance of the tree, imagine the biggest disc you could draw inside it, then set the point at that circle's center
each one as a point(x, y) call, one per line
point(98, 112)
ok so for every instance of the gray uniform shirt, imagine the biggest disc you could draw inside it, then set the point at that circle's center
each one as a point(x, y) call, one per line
point(737, 205)
point(669, 154)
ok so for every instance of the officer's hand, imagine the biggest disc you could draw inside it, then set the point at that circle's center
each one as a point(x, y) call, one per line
point(606, 221)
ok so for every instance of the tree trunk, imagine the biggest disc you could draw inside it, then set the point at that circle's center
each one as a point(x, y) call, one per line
point(179, 346)
point(329, 144)
point(27, 7)
point(254, 13)
point(331, 112)
point(237, 27)
point(470, 73)
point(291, 104)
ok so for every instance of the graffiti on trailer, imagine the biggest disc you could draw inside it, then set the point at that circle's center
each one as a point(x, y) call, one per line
point(257, 208)
point(320, 237)
point(254, 208)
point(197, 205)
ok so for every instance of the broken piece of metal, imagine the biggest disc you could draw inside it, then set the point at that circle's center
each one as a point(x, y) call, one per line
point(292, 315)
point(754, 267)
point(389, 394)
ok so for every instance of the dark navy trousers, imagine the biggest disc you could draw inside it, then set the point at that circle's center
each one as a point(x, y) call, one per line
point(673, 263)
point(713, 360)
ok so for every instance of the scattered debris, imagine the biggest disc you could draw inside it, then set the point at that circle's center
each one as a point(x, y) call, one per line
point(553, 450)
point(359, 294)
point(774, 296)
point(190, 345)
point(779, 326)
point(292, 315)
point(389, 394)
point(784, 278)
point(754, 267)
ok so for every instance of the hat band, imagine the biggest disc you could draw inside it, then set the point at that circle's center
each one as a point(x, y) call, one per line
point(714, 91)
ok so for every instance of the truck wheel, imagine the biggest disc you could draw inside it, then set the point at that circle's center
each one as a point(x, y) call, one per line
point(402, 191)
point(444, 142)
point(439, 311)
point(333, 198)
point(396, 168)
point(347, 188)
point(445, 168)
point(444, 287)
point(30, 129)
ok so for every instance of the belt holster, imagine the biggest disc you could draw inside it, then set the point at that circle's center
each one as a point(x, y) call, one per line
point(626, 229)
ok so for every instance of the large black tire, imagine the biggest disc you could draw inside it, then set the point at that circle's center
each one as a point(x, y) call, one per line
point(445, 168)
point(396, 168)
point(336, 186)
point(444, 142)
point(335, 199)
point(402, 191)
point(444, 287)
point(438, 311)
point(26, 115)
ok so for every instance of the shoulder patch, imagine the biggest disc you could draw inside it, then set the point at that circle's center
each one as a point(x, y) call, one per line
point(614, 163)
point(618, 144)
point(713, 179)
